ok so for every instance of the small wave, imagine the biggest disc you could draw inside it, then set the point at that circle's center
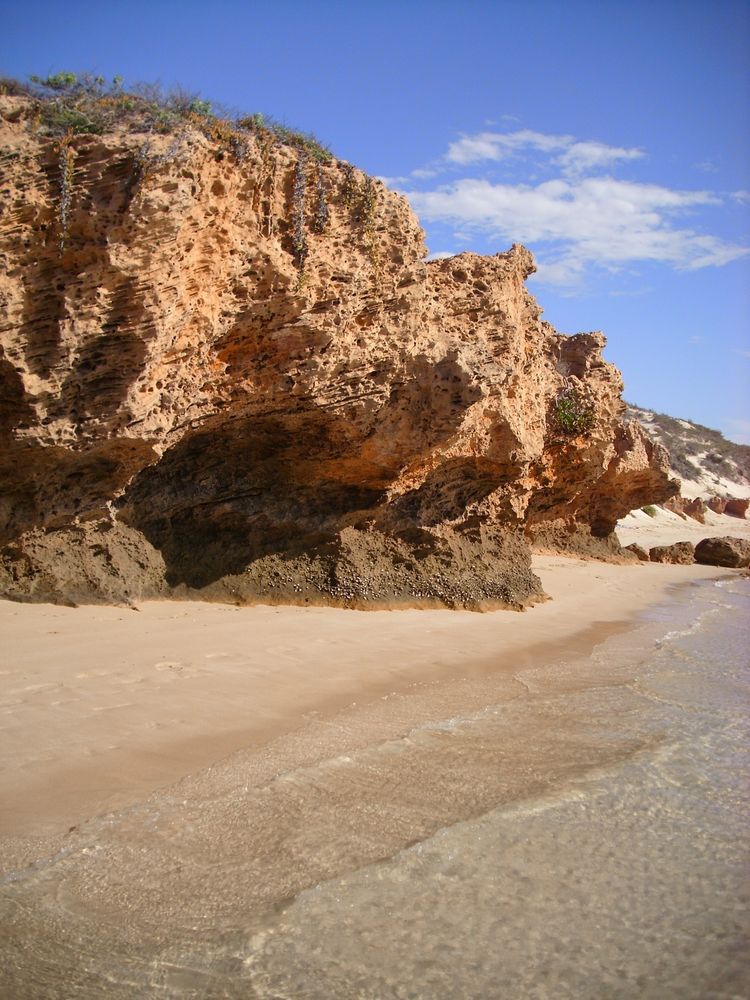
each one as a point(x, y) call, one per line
point(698, 624)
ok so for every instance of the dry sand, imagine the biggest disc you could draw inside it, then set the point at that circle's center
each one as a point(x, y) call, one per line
point(665, 528)
point(99, 706)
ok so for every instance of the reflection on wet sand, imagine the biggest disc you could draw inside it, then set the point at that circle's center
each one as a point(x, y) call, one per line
point(565, 829)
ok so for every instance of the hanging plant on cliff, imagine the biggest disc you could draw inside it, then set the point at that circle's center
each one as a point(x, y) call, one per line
point(264, 197)
point(368, 207)
point(322, 214)
point(299, 234)
point(350, 187)
point(361, 198)
point(66, 162)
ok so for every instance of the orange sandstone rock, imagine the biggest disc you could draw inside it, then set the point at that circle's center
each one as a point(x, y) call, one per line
point(736, 508)
point(370, 429)
point(679, 554)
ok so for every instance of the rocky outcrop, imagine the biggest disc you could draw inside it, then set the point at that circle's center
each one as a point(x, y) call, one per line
point(641, 554)
point(684, 507)
point(727, 551)
point(678, 554)
point(736, 508)
point(98, 561)
point(236, 376)
point(696, 507)
point(676, 506)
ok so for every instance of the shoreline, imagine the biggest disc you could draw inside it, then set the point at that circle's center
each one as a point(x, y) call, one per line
point(104, 706)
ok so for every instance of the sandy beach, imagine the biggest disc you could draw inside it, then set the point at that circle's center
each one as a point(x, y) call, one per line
point(371, 380)
point(103, 705)
point(204, 800)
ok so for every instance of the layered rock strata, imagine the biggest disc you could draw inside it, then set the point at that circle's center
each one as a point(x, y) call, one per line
point(239, 378)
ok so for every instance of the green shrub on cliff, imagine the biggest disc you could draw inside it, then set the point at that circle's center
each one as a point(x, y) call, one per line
point(64, 107)
point(573, 414)
point(87, 104)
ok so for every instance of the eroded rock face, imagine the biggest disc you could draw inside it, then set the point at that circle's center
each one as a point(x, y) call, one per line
point(736, 508)
point(676, 506)
point(366, 427)
point(695, 508)
point(678, 554)
point(641, 554)
point(727, 551)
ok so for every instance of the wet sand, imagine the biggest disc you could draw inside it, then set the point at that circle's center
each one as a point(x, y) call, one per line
point(208, 801)
point(100, 706)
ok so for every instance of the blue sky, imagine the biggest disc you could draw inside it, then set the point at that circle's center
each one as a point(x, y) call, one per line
point(612, 138)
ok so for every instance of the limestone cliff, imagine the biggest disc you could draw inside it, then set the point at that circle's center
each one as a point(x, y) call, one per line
point(231, 373)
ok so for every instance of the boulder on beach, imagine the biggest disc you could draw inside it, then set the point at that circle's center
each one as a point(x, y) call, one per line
point(726, 551)
point(737, 508)
point(680, 553)
point(637, 550)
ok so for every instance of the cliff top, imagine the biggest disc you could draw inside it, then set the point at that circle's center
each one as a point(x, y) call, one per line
point(69, 104)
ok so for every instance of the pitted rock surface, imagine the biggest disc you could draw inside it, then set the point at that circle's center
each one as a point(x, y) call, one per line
point(678, 554)
point(726, 551)
point(184, 411)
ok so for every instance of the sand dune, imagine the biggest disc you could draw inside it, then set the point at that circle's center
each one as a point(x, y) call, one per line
point(664, 527)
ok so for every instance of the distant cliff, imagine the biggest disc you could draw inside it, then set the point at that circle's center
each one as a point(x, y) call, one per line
point(228, 371)
point(704, 461)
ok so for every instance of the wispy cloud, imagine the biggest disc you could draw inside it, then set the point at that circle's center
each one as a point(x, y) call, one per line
point(501, 145)
point(630, 293)
point(579, 216)
point(583, 157)
point(600, 220)
point(737, 430)
point(393, 182)
point(573, 156)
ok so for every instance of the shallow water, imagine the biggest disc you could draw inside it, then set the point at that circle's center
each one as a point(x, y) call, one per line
point(572, 830)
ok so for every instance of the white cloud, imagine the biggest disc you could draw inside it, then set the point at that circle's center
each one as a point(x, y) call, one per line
point(501, 145)
point(560, 197)
point(737, 430)
point(441, 255)
point(392, 182)
point(707, 166)
point(566, 271)
point(582, 157)
point(598, 220)
point(574, 157)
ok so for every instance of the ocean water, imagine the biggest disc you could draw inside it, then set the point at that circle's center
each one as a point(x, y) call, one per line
point(571, 830)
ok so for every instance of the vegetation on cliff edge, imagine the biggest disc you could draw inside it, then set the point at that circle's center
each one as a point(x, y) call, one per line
point(85, 104)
